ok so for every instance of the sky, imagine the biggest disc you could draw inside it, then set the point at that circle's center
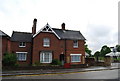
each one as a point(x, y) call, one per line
point(97, 20)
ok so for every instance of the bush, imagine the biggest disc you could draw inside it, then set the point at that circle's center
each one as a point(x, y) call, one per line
point(37, 64)
point(9, 59)
point(56, 62)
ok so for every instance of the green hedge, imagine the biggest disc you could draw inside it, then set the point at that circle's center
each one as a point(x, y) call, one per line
point(56, 62)
point(9, 59)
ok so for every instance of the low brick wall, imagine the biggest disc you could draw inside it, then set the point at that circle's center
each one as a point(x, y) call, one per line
point(90, 61)
point(100, 64)
point(42, 67)
point(32, 67)
point(79, 66)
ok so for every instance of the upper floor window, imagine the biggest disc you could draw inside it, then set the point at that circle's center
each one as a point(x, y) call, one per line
point(22, 44)
point(75, 43)
point(46, 42)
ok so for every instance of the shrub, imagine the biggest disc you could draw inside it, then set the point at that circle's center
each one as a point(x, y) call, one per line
point(56, 62)
point(9, 59)
point(37, 64)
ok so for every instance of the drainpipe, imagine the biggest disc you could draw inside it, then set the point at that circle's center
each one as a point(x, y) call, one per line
point(65, 56)
point(31, 51)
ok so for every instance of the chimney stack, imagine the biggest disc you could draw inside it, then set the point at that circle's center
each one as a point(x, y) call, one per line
point(34, 26)
point(63, 26)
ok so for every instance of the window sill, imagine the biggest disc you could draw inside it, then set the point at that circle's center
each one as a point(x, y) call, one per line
point(46, 46)
point(75, 61)
point(22, 46)
point(45, 62)
point(75, 47)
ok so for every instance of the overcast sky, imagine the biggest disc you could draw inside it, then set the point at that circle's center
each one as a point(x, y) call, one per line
point(96, 19)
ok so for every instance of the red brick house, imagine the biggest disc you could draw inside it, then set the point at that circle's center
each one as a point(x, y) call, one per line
point(21, 44)
point(5, 42)
point(64, 45)
point(48, 44)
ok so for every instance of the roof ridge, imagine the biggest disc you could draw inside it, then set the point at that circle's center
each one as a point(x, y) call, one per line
point(66, 29)
point(22, 32)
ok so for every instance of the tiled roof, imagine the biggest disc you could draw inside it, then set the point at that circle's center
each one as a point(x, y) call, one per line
point(69, 34)
point(21, 36)
point(3, 34)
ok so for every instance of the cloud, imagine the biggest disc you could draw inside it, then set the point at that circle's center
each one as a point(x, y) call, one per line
point(99, 35)
point(97, 23)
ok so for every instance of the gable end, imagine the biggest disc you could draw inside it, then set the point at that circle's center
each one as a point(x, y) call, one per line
point(46, 29)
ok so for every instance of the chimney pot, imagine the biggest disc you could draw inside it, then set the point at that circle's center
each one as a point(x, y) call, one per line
point(35, 20)
point(34, 26)
point(63, 26)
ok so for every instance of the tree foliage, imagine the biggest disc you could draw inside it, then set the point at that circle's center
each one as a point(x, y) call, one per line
point(96, 55)
point(118, 48)
point(105, 49)
point(9, 59)
point(87, 50)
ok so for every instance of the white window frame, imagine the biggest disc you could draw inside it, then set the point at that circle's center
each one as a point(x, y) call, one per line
point(46, 41)
point(21, 59)
point(79, 55)
point(75, 46)
point(42, 55)
point(23, 44)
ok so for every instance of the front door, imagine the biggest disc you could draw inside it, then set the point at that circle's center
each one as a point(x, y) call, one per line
point(62, 58)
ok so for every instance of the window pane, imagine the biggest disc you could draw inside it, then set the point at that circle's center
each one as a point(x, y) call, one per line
point(75, 58)
point(46, 57)
point(22, 44)
point(46, 42)
point(21, 56)
point(75, 43)
point(41, 57)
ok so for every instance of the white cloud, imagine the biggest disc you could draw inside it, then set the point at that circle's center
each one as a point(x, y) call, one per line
point(96, 19)
point(99, 35)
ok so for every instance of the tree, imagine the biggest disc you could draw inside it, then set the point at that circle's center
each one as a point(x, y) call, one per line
point(96, 55)
point(9, 59)
point(105, 49)
point(118, 48)
point(87, 50)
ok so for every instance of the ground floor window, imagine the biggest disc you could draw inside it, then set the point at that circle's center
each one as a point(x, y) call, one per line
point(75, 57)
point(46, 57)
point(21, 56)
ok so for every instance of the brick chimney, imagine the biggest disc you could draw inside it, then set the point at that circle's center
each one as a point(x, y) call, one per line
point(34, 26)
point(63, 26)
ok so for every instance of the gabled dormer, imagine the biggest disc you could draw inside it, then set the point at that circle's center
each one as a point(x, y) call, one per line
point(46, 29)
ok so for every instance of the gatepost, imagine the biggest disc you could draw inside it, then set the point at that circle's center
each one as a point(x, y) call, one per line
point(107, 61)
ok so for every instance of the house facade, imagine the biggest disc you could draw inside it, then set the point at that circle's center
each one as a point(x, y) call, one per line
point(21, 45)
point(5, 43)
point(48, 44)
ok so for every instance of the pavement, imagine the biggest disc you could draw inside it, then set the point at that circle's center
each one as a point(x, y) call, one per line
point(60, 71)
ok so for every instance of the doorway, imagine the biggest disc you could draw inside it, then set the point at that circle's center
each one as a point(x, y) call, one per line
point(62, 58)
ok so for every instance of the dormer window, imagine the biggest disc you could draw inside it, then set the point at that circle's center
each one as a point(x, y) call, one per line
point(22, 44)
point(75, 43)
point(46, 42)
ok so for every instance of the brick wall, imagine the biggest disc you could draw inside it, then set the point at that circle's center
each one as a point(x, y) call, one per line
point(4, 45)
point(56, 46)
point(15, 48)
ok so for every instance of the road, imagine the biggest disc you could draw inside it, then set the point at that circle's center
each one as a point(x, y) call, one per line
point(105, 74)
